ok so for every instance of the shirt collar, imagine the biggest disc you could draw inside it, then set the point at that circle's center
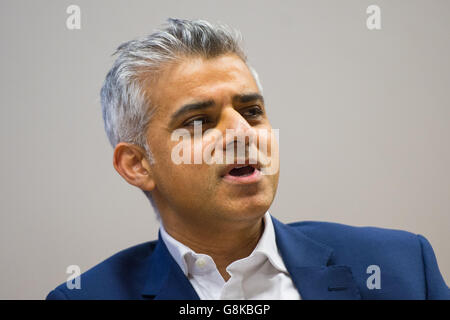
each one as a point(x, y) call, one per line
point(177, 250)
point(266, 246)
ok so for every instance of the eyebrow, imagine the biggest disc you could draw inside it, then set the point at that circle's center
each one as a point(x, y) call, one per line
point(202, 105)
point(248, 97)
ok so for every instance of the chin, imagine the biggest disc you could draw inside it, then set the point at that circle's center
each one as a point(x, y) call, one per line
point(248, 208)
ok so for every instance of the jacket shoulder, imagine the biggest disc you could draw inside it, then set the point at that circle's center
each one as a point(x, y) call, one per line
point(121, 276)
point(337, 233)
point(379, 245)
point(406, 260)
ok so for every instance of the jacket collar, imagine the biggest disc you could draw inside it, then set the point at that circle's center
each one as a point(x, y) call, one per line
point(308, 262)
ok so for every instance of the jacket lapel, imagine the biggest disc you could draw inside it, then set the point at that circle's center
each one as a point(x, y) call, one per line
point(166, 281)
point(309, 264)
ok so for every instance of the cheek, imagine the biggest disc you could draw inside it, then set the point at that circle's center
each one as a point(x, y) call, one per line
point(268, 151)
point(181, 158)
point(268, 138)
point(188, 179)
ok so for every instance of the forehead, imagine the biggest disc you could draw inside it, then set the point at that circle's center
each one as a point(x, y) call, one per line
point(195, 78)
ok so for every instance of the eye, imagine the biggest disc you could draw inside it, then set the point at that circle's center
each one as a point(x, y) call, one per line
point(253, 112)
point(191, 122)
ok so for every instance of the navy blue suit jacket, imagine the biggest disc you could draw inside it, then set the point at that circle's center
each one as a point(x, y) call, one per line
point(325, 261)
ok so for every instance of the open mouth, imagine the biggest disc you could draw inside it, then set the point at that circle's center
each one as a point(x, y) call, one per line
point(242, 174)
point(244, 171)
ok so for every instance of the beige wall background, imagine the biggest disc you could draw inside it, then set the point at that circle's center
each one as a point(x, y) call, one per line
point(364, 119)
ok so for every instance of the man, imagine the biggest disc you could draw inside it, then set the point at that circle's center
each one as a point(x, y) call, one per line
point(217, 239)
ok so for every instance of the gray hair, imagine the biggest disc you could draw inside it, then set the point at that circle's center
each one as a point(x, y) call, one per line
point(126, 109)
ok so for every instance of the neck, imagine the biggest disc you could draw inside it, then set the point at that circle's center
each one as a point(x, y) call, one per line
point(224, 243)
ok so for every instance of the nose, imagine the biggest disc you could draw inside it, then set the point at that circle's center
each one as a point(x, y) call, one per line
point(236, 130)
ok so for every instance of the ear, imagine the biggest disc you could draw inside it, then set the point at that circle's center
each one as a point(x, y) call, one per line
point(130, 162)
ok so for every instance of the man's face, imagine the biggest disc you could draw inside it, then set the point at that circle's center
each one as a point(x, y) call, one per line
point(220, 93)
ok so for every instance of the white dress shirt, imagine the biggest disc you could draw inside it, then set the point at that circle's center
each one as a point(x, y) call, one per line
point(261, 275)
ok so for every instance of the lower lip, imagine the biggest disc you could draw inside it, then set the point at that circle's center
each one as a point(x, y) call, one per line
point(253, 178)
